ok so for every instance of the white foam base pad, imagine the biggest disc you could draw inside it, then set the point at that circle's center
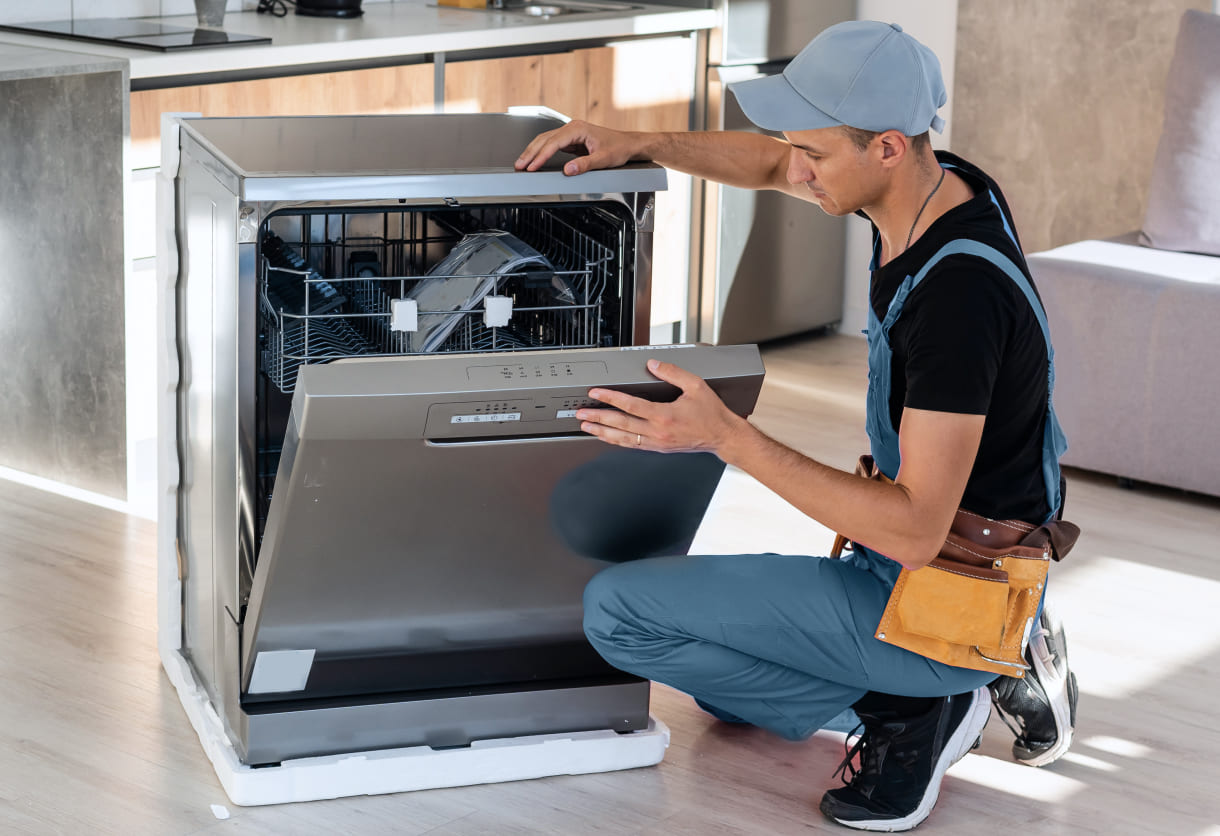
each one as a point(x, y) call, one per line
point(415, 768)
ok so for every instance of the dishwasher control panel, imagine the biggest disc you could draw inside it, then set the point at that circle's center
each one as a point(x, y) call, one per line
point(528, 371)
point(545, 414)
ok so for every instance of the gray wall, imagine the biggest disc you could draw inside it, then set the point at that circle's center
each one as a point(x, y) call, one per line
point(1061, 102)
point(62, 390)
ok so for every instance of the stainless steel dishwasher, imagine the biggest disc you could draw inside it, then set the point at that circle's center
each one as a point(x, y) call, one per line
point(378, 512)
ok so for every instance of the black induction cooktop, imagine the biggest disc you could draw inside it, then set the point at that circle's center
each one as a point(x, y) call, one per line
point(143, 34)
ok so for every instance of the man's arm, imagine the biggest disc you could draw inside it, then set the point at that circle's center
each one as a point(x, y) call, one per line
point(735, 158)
point(907, 521)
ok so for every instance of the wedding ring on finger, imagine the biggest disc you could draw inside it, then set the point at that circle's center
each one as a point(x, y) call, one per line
point(639, 439)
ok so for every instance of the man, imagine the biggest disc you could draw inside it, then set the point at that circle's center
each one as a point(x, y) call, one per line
point(958, 415)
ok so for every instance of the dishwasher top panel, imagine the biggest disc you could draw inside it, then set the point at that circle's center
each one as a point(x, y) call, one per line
point(411, 156)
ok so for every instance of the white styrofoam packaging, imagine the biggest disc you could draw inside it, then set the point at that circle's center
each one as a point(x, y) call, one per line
point(414, 768)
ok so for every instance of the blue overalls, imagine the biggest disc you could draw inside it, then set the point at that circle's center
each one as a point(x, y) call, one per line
point(780, 641)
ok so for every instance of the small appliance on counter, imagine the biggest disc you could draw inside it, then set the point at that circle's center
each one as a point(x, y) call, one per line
point(329, 8)
point(378, 512)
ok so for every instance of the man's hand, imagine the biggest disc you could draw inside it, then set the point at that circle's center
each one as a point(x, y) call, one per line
point(596, 147)
point(698, 421)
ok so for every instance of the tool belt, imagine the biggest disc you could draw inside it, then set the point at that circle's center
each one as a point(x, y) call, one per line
point(974, 605)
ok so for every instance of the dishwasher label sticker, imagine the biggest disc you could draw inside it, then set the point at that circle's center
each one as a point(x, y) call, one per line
point(280, 671)
point(485, 418)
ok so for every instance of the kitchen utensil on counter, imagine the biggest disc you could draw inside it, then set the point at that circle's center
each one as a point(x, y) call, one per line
point(210, 12)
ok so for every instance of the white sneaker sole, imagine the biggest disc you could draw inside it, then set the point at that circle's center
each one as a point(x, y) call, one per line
point(956, 747)
point(1054, 682)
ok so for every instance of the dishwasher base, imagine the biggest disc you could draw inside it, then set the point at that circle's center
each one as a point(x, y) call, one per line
point(411, 768)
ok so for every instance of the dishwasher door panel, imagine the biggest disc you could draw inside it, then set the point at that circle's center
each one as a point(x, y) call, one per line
point(430, 510)
point(388, 545)
point(462, 563)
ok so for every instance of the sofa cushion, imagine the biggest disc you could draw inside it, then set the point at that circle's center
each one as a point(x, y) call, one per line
point(1124, 253)
point(1183, 209)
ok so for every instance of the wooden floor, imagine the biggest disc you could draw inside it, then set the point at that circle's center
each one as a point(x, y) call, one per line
point(93, 739)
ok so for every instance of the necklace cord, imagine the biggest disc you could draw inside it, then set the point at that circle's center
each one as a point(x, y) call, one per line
point(919, 214)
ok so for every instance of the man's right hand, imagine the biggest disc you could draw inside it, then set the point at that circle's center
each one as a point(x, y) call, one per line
point(595, 147)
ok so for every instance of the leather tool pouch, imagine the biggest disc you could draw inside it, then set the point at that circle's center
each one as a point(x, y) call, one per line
point(974, 605)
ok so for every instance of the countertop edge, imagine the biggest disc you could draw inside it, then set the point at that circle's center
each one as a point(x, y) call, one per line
point(250, 60)
point(18, 62)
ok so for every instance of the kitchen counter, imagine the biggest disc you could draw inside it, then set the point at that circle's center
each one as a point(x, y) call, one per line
point(386, 32)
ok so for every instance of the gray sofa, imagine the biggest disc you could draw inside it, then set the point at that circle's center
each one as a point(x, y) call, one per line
point(1137, 359)
point(1136, 320)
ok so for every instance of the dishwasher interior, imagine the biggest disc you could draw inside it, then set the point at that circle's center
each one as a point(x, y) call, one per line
point(329, 281)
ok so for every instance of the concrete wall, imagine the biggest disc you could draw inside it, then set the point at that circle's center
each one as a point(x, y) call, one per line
point(62, 398)
point(1061, 102)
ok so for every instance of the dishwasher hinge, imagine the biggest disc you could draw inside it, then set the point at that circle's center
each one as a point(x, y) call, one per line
point(247, 225)
point(645, 217)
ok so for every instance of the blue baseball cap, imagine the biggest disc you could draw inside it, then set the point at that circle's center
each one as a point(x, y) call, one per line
point(864, 74)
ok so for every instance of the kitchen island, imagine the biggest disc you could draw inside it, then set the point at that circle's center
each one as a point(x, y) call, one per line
point(635, 67)
point(62, 131)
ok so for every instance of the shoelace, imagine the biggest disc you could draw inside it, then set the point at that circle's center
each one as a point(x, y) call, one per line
point(865, 745)
point(999, 709)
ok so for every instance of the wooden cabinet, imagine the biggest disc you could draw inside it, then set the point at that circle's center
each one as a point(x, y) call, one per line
point(407, 89)
point(642, 85)
point(635, 85)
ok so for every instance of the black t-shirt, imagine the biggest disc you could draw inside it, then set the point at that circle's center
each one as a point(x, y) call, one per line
point(968, 341)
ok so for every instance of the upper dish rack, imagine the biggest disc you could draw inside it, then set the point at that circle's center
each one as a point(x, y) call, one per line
point(361, 283)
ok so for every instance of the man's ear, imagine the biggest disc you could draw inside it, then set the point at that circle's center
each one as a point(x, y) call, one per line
point(893, 146)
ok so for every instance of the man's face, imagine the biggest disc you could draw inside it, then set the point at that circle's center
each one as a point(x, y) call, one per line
point(842, 178)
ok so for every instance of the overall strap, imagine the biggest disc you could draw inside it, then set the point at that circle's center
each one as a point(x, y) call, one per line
point(964, 246)
point(1012, 236)
point(1054, 443)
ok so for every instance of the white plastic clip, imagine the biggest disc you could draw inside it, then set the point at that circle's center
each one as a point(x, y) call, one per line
point(404, 315)
point(497, 311)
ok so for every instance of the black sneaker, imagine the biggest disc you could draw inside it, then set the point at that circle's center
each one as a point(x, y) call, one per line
point(902, 761)
point(1041, 707)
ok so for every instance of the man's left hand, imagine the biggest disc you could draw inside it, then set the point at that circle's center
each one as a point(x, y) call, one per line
point(698, 421)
